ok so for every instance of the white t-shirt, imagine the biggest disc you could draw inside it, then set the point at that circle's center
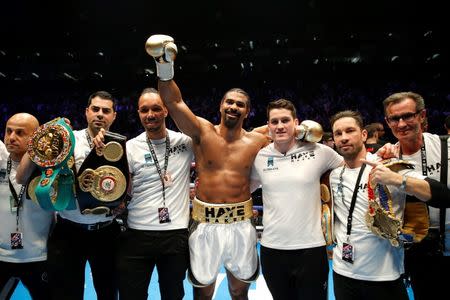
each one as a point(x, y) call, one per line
point(82, 150)
point(147, 189)
point(375, 259)
point(291, 194)
point(433, 151)
point(34, 222)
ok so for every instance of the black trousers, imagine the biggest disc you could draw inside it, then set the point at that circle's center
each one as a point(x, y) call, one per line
point(346, 288)
point(69, 248)
point(296, 274)
point(139, 251)
point(429, 275)
point(33, 276)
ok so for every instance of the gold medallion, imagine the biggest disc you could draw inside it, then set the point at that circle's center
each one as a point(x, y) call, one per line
point(113, 151)
point(49, 145)
point(31, 188)
point(86, 179)
point(71, 162)
point(109, 184)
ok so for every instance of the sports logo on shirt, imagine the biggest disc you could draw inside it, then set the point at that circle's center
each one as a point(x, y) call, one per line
point(148, 160)
point(305, 155)
point(270, 164)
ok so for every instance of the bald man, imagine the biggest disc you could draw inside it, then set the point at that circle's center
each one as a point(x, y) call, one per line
point(24, 225)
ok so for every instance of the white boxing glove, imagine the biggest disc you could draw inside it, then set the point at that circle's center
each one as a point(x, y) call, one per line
point(164, 51)
point(309, 131)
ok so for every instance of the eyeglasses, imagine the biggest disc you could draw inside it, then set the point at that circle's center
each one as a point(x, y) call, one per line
point(406, 117)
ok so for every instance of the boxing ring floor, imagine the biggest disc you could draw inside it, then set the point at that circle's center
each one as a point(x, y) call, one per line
point(258, 290)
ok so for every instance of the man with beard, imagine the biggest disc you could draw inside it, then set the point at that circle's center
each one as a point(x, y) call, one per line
point(366, 265)
point(78, 238)
point(158, 212)
point(222, 232)
point(428, 262)
point(24, 225)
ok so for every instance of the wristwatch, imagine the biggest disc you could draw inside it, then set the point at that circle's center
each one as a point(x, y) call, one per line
point(402, 186)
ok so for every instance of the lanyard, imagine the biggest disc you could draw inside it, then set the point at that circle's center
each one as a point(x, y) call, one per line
point(166, 163)
point(355, 192)
point(89, 139)
point(423, 156)
point(17, 199)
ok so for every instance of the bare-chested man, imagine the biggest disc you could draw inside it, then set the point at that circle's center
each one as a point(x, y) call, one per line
point(224, 153)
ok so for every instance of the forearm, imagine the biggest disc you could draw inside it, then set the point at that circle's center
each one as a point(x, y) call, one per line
point(418, 188)
point(25, 169)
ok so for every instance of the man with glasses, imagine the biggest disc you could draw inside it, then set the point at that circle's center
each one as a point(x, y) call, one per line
point(427, 262)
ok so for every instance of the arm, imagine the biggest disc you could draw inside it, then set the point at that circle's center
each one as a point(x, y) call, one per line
point(416, 187)
point(163, 49)
point(440, 194)
point(25, 169)
point(185, 119)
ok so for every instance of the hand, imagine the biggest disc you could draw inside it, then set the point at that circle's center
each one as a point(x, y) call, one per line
point(309, 131)
point(381, 174)
point(98, 141)
point(68, 122)
point(389, 151)
point(164, 51)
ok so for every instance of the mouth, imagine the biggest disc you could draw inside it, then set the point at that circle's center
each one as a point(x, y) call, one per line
point(232, 115)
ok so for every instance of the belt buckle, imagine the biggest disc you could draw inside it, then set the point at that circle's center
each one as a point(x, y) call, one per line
point(91, 227)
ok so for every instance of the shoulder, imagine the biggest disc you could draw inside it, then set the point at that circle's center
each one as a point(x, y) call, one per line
point(257, 137)
point(136, 140)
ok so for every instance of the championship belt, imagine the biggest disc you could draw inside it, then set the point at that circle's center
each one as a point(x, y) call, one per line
point(51, 149)
point(103, 178)
point(380, 218)
point(326, 217)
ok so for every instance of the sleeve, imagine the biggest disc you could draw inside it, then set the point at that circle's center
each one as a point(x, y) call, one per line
point(440, 194)
point(334, 160)
point(255, 180)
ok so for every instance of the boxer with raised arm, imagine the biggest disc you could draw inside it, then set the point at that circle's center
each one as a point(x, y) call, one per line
point(224, 153)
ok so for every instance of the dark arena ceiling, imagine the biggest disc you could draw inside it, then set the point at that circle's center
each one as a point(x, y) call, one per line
point(82, 41)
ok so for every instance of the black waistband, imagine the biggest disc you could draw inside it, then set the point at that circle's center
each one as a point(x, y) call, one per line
point(88, 227)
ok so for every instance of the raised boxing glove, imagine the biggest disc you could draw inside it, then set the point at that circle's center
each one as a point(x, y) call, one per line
point(309, 131)
point(164, 51)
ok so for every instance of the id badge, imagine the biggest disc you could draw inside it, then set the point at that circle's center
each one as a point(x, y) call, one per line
point(163, 213)
point(16, 240)
point(347, 252)
point(168, 180)
point(12, 204)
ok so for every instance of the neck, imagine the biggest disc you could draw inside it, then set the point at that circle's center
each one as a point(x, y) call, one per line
point(411, 146)
point(156, 135)
point(356, 162)
point(92, 132)
point(284, 147)
point(16, 156)
point(230, 134)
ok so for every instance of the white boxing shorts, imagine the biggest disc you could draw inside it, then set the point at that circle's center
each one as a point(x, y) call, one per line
point(231, 244)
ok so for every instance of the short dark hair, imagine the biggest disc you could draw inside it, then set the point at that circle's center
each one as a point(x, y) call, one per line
point(282, 103)
point(447, 122)
point(398, 97)
point(149, 90)
point(240, 91)
point(103, 95)
point(356, 115)
point(371, 129)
